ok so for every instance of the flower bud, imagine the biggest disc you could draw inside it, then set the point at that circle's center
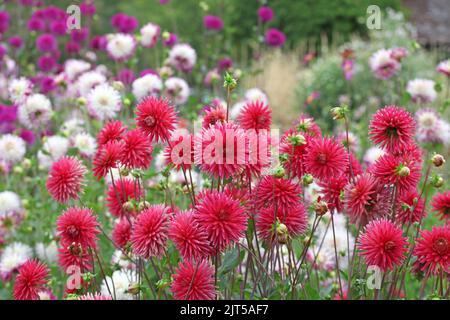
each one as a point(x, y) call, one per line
point(128, 206)
point(297, 140)
point(26, 163)
point(143, 205)
point(282, 233)
point(320, 207)
point(438, 160)
point(81, 101)
point(279, 172)
point(437, 181)
point(403, 171)
point(134, 288)
point(307, 179)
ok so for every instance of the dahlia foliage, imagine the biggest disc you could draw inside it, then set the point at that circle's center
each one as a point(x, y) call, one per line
point(115, 185)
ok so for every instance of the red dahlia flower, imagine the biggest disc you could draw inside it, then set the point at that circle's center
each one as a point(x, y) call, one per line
point(382, 244)
point(433, 250)
point(392, 128)
point(410, 207)
point(193, 281)
point(149, 233)
point(401, 172)
point(441, 205)
point(78, 225)
point(119, 193)
point(222, 218)
point(191, 240)
point(137, 150)
point(255, 115)
point(65, 179)
point(106, 158)
point(268, 220)
point(32, 279)
point(112, 131)
point(156, 117)
point(277, 192)
point(325, 158)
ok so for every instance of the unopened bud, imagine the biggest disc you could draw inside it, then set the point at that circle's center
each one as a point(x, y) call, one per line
point(307, 179)
point(297, 140)
point(134, 288)
point(118, 85)
point(320, 207)
point(279, 172)
point(437, 181)
point(26, 163)
point(339, 112)
point(18, 170)
point(124, 171)
point(403, 171)
point(143, 205)
point(128, 206)
point(438, 160)
point(81, 101)
point(126, 102)
point(282, 233)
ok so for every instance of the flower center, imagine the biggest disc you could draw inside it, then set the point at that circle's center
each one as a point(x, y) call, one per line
point(72, 231)
point(392, 132)
point(223, 214)
point(150, 121)
point(441, 246)
point(389, 246)
point(322, 158)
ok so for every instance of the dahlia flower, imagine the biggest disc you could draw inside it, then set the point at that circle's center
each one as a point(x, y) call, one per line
point(444, 67)
point(177, 90)
point(401, 171)
point(382, 244)
point(212, 22)
point(32, 278)
point(277, 192)
point(104, 102)
point(325, 158)
point(269, 220)
point(383, 65)
point(121, 232)
point(265, 14)
point(274, 37)
point(111, 131)
point(120, 192)
point(78, 225)
point(66, 179)
point(149, 233)
point(88, 81)
point(147, 85)
point(121, 46)
point(149, 35)
point(433, 250)
point(255, 115)
point(180, 152)
point(191, 240)
point(421, 90)
point(119, 284)
point(222, 218)
point(156, 118)
point(13, 256)
point(392, 128)
point(35, 112)
point(441, 205)
point(364, 199)
point(193, 281)
point(12, 148)
point(431, 127)
point(137, 149)
point(107, 158)
point(85, 143)
point(183, 57)
point(20, 89)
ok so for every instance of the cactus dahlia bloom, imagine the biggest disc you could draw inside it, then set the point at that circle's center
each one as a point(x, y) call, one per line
point(392, 128)
point(382, 244)
point(65, 179)
point(32, 278)
point(433, 250)
point(193, 281)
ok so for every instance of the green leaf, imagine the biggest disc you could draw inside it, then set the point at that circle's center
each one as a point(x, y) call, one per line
point(231, 260)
